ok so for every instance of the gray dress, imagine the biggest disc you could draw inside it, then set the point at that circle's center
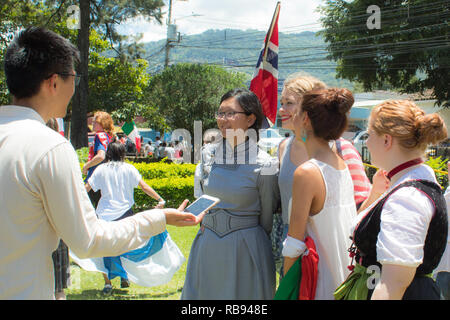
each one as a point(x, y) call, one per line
point(231, 256)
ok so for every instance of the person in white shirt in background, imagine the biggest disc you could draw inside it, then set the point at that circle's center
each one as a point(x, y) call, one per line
point(116, 180)
point(42, 194)
point(157, 142)
point(442, 272)
point(148, 148)
point(170, 151)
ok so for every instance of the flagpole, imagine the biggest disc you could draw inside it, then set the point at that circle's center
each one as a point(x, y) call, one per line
point(269, 33)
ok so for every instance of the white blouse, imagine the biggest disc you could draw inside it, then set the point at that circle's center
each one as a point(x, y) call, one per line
point(444, 265)
point(405, 219)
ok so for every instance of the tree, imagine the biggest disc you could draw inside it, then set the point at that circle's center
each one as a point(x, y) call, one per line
point(409, 51)
point(113, 82)
point(14, 16)
point(101, 16)
point(186, 92)
point(105, 15)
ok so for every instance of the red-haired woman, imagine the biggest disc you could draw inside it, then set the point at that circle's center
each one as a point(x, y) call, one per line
point(103, 126)
point(400, 236)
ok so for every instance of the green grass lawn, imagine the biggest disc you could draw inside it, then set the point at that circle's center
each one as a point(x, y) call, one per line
point(88, 285)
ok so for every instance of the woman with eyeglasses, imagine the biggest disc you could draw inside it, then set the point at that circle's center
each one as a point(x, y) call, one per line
point(400, 234)
point(231, 256)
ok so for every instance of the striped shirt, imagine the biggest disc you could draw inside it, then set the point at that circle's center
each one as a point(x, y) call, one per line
point(352, 158)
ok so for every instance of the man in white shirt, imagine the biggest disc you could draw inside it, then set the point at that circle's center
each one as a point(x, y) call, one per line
point(42, 194)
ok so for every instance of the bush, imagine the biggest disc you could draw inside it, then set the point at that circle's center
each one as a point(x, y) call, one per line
point(173, 190)
point(83, 154)
point(439, 165)
point(160, 170)
point(173, 182)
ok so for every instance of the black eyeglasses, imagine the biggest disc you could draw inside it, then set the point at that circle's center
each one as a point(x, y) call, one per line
point(77, 77)
point(228, 115)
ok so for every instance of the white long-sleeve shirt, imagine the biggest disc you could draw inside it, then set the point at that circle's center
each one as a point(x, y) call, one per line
point(42, 199)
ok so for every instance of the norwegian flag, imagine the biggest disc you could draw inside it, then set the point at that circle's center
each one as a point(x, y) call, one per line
point(265, 79)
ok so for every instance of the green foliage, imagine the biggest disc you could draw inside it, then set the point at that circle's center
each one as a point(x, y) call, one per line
point(174, 182)
point(160, 170)
point(173, 190)
point(187, 92)
point(409, 52)
point(83, 154)
point(116, 85)
point(440, 165)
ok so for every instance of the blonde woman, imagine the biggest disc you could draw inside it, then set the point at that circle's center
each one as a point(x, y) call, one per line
point(292, 151)
point(401, 234)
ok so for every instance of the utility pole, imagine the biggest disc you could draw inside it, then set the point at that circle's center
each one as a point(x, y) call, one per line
point(172, 34)
point(169, 23)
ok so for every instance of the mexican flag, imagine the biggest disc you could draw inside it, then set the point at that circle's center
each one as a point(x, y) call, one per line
point(130, 129)
point(300, 282)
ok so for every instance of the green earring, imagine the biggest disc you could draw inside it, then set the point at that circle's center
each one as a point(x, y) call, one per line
point(304, 135)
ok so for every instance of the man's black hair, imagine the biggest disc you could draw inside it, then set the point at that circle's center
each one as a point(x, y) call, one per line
point(35, 55)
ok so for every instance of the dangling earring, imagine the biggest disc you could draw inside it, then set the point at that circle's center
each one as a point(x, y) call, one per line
point(303, 135)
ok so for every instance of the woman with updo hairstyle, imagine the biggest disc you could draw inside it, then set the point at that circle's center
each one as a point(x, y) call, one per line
point(322, 196)
point(401, 232)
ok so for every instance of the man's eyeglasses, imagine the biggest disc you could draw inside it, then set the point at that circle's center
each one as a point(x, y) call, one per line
point(77, 77)
point(228, 115)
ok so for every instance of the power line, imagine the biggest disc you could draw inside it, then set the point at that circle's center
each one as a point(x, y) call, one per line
point(394, 14)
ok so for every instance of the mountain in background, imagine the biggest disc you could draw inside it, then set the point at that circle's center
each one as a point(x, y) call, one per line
point(238, 50)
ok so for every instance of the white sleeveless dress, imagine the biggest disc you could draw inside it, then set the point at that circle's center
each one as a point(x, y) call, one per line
point(330, 229)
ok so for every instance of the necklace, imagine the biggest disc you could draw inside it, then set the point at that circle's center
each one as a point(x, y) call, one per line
point(403, 166)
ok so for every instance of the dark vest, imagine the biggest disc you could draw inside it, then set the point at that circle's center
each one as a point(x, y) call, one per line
point(366, 234)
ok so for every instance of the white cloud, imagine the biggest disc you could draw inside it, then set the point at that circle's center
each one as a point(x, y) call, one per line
point(295, 16)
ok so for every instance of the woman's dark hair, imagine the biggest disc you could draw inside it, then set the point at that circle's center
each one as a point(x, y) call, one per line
point(327, 110)
point(115, 152)
point(249, 102)
point(33, 56)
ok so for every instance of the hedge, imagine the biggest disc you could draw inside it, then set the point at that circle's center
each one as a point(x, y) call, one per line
point(173, 190)
point(158, 170)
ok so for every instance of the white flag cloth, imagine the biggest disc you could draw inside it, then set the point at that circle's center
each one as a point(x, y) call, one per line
point(153, 264)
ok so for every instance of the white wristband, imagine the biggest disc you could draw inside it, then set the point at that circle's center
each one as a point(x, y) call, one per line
point(162, 201)
point(293, 248)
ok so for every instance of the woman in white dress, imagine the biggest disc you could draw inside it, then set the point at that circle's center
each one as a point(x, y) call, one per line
point(322, 193)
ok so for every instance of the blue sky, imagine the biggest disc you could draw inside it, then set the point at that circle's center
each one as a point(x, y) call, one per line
point(295, 16)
